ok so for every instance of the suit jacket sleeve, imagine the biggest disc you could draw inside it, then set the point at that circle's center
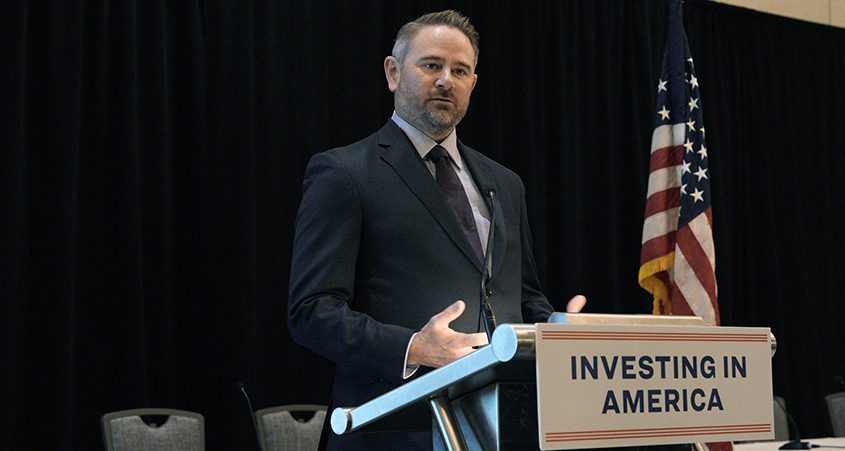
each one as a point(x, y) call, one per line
point(535, 306)
point(321, 314)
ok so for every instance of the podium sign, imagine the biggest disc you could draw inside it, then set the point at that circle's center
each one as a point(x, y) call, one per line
point(628, 385)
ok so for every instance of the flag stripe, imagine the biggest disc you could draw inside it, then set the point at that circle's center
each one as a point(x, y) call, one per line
point(657, 246)
point(679, 304)
point(662, 179)
point(694, 293)
point(660, 200)
point(702, 229)
point(697, 260)
point(665, 157)
point(660, 224)
point(667, 135)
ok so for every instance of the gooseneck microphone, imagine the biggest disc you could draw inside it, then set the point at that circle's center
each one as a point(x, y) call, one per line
point(242, 388)
point(797, 443)
point(486, 314)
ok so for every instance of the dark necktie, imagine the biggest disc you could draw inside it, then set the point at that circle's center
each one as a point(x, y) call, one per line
point(454, 194)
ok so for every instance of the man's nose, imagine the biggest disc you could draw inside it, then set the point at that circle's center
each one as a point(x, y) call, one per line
point(445, 81)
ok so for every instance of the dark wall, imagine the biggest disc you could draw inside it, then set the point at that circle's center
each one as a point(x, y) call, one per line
point(153, 155)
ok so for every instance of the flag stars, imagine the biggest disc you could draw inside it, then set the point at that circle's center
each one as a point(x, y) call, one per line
point(685, 167)
point(664, 113)
point(702, 152)
point(691, 125)
point(661, 85)
point(693, 81)
point(702, 131)
point(701, 173)
point(697, 195)
point(693, 103)
point(688, 145)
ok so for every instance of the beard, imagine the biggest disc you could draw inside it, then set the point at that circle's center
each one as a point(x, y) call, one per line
point(442, 118)
point(434, 119)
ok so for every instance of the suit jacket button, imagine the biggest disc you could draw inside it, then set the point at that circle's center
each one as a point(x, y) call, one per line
point(489, 292)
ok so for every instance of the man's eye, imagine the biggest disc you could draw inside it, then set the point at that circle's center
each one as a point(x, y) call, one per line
point(431, 66)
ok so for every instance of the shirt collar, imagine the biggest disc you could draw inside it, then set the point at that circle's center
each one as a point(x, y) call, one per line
point(423, 144)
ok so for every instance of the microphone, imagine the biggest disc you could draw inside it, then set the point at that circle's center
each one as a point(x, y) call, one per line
point(797, 443)
point(242, 388)
point(486, 314)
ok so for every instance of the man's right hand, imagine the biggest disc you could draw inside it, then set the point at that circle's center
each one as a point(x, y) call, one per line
point(437, 344)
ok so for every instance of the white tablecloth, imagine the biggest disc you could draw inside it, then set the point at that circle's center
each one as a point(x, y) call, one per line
point(822, 443)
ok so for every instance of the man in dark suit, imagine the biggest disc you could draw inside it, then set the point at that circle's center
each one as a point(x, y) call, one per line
point(391, 237)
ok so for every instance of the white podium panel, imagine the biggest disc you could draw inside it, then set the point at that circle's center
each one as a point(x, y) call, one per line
point(627, 385)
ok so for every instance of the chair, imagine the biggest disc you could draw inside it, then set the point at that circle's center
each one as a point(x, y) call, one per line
point(836, 409)
point(278, 429)
point(164, 429)
point(781, 420)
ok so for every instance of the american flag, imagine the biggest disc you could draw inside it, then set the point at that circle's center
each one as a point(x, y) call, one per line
point(677, 259)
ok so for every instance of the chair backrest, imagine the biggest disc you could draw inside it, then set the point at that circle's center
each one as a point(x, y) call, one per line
point(180, 430)
point(781, 421)
point(279, 430)
point(836, 409)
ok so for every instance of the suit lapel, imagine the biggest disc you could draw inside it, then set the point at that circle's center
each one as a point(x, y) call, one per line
point(400, 154)
point(484, 180)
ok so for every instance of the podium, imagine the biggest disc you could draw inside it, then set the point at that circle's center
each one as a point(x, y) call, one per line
point(489, 399)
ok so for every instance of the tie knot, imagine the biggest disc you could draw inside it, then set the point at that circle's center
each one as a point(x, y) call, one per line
point(437, 154)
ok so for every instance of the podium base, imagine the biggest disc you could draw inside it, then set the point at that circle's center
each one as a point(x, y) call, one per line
point(501, 416)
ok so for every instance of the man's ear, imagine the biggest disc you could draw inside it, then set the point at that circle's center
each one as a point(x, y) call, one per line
point(391, 72)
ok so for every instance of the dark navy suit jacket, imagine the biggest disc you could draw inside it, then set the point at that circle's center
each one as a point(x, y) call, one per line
point(378, 252)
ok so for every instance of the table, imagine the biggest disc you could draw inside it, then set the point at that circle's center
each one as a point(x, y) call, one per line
point(821, 443)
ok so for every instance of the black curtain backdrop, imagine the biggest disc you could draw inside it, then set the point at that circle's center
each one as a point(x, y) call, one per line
point(153, 155)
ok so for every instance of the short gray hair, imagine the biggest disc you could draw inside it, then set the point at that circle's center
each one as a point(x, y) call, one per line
point(449, 18)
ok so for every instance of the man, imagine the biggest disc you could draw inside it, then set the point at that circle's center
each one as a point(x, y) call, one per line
point(391, 238)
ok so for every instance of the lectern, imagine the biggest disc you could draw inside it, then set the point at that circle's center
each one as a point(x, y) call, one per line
point(489, 399)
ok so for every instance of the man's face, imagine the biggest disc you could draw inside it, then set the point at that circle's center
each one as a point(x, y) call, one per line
point(433, 85)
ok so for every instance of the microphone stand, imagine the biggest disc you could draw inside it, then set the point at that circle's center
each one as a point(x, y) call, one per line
point(242, 388)
point(797, 443)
